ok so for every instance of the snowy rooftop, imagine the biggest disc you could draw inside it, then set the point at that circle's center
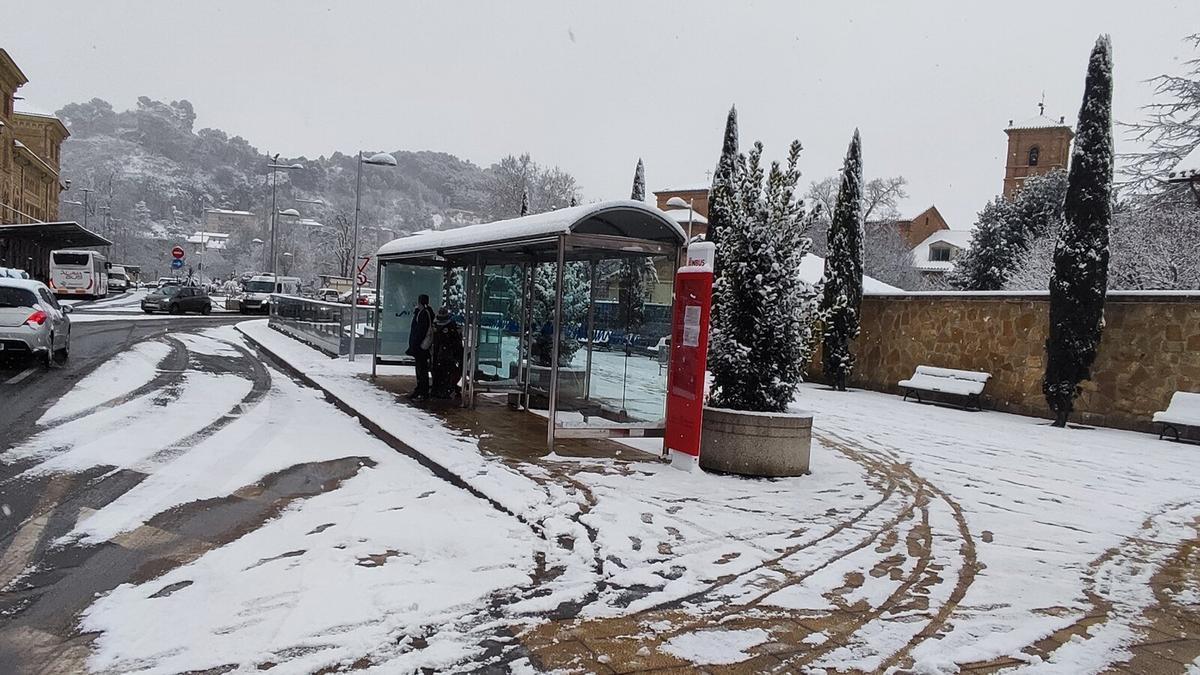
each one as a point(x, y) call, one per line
point(539, 232)
point(1039, 122)
point(681, 216)
point(1188, 168)
point(959, 239)
point(812, 270)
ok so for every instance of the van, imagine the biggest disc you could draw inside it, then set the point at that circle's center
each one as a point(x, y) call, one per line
point(117, 279)
point(256, 293)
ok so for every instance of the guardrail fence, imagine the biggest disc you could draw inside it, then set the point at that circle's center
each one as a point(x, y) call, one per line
point(324, 325)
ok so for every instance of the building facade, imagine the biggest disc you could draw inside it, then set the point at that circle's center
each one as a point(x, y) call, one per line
point(30, 147)
point(1035, 146)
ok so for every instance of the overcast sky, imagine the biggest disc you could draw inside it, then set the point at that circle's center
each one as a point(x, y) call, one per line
point(592, 87)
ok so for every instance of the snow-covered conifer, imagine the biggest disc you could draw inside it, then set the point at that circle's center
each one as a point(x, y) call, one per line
point(762, 310)
point(639, 183)
point(720, 208)
point(525, 203)
point(843, 283)
point(452, 291)
point(576, 295)
point(1077, 290)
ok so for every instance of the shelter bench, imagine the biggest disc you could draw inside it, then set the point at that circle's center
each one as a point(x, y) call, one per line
point(968, 383)
point(1183, 411)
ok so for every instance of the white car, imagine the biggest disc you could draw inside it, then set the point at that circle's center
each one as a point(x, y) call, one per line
point(32, 321)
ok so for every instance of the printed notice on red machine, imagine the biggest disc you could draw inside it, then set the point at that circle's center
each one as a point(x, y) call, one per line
point(691, 326)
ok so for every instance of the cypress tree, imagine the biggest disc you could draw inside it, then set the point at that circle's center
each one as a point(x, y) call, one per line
point(1080, 280)
point(632, 271)
point(452, 291)
point(725, 179)
point(844, 272)
point(525, 203)
point(639, 183)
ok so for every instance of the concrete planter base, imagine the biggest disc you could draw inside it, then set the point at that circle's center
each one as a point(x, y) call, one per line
point(755, 444)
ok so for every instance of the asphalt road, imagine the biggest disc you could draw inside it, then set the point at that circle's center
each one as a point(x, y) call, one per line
point(44, 586)
point(27, 388)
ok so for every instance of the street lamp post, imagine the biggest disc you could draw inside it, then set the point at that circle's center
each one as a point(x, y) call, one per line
point(679, 203)
point(379, 159)
point(275, 168)
point(290, 213)
point(85, 192)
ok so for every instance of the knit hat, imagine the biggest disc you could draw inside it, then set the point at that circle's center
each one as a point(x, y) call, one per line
point(443, 317)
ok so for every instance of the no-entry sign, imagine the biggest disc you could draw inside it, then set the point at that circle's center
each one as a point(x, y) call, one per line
point(177, 252)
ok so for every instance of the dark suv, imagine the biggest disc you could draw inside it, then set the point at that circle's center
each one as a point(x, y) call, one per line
point(177, 300)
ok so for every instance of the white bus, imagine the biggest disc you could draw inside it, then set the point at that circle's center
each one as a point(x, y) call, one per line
point(78, 274)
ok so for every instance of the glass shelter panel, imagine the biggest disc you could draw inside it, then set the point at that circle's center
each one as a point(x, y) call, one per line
point(400, 286)
point(614, 345)
point(500, 314)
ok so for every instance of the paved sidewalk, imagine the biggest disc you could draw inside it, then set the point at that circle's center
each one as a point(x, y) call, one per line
point(927, 539)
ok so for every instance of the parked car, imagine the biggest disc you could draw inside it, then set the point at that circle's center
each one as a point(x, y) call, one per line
point(32, 321)
point(177, 299)
point(328, 295)
point(13, 273)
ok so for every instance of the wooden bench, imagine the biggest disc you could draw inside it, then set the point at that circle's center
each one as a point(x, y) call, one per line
point(1183, 411)
point(968, 383)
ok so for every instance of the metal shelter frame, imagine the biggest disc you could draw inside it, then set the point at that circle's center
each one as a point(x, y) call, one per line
point(593, 232)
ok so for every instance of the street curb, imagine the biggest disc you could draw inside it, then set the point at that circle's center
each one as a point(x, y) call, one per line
point(382, 434)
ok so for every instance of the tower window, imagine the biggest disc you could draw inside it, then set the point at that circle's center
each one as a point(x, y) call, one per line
point(1033, 155)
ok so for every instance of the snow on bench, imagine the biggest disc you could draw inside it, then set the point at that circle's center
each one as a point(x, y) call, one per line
point(1183, 411)
point(967, 383)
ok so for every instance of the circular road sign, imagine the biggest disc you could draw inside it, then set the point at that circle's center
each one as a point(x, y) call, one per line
point(176, 263)
point(362, 279)
point(177, 252)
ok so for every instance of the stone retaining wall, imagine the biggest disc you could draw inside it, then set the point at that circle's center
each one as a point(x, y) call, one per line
point(1150, 349)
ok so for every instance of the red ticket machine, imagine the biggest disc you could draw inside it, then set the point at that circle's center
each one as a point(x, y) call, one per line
point(689, 356)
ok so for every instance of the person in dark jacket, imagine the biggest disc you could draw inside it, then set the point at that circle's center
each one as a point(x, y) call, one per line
point(446, 353)
point(420, 339)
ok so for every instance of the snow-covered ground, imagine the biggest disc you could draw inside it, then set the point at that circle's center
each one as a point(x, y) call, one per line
point(925, 538)
point(390, 555)
point(955, 537)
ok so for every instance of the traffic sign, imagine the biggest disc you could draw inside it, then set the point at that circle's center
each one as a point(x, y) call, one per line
point(177, 252)
point(365, 259)
point(177, 263)
point(362, 280)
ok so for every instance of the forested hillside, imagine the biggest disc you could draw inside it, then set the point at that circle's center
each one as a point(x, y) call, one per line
point(152, 175)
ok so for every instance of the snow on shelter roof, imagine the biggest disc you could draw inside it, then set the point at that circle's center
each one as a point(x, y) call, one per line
point(539, 233)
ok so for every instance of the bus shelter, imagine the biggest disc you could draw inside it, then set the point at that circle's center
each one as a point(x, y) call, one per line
point(566, 313)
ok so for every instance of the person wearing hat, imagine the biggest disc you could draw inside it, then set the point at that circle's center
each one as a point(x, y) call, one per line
point(447, 353)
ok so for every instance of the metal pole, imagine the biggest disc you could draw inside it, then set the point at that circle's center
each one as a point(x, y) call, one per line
point(558, 319)
point(378, 300)
point(354, 257)
point(690, 202)
point(274, 173)
point(85, 207)
point(591, 332)
point(469, 333)
point(524, 366)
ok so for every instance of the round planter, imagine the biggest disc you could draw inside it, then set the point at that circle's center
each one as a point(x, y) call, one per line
point(754, 443)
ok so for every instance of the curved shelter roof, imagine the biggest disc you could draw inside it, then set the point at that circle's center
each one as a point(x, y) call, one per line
point(612, 226)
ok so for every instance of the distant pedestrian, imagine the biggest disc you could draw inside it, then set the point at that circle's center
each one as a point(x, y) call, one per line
point(446, 355)
point(420, 339)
